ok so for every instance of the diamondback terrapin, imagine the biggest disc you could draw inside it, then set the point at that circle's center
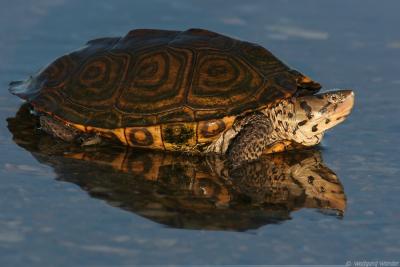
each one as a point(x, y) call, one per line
point(193, 91)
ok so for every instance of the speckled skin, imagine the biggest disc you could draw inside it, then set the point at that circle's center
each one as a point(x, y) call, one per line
point(253, 138)
point(58, 129)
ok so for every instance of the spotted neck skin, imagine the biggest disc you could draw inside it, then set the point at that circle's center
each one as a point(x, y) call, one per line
point(286, 126)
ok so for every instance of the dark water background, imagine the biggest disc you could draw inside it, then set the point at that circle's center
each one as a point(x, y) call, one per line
point(341, 44)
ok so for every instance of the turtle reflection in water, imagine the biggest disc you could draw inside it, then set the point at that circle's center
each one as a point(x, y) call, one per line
point(189, 192)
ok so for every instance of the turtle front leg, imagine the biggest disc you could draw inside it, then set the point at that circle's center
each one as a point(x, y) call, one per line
point(251, 140)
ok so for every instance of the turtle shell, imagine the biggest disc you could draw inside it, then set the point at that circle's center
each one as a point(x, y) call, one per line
point(152, 77)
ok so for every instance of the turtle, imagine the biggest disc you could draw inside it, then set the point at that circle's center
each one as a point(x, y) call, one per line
point(193, 91)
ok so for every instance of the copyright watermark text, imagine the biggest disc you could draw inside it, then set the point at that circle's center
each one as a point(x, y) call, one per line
point(372, 263)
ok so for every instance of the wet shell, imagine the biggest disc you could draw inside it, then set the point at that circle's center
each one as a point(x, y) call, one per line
point(162, 89)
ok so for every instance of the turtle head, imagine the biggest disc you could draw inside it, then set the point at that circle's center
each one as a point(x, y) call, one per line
point(314, 114)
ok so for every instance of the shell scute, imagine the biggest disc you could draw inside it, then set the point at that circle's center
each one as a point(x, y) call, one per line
point(179, 115)
point(97, 81)
point(222, 81)
point(156, 83)
point(261, 58)
point(179, 136)
point(202, 39)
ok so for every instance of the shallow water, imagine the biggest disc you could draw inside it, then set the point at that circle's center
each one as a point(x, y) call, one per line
point(80, 210)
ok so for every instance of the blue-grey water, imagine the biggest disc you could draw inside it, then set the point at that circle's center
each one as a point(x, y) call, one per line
point(52, 215)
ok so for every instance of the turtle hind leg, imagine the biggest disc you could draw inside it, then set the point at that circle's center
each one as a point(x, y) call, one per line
point(251, 141)
point(58, 129)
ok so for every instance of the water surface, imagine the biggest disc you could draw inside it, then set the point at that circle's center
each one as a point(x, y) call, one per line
point(79, 210)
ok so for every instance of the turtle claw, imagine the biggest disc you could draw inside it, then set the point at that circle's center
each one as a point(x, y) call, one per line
point(89, 140)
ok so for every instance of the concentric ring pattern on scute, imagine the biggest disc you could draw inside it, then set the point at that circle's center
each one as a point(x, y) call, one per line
point(57, 73)
point(97, 80)
point(157, 82)
point(221, 81)
point(151, 77)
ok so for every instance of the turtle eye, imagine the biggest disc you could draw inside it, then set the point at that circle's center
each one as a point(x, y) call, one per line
point(332, 99)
